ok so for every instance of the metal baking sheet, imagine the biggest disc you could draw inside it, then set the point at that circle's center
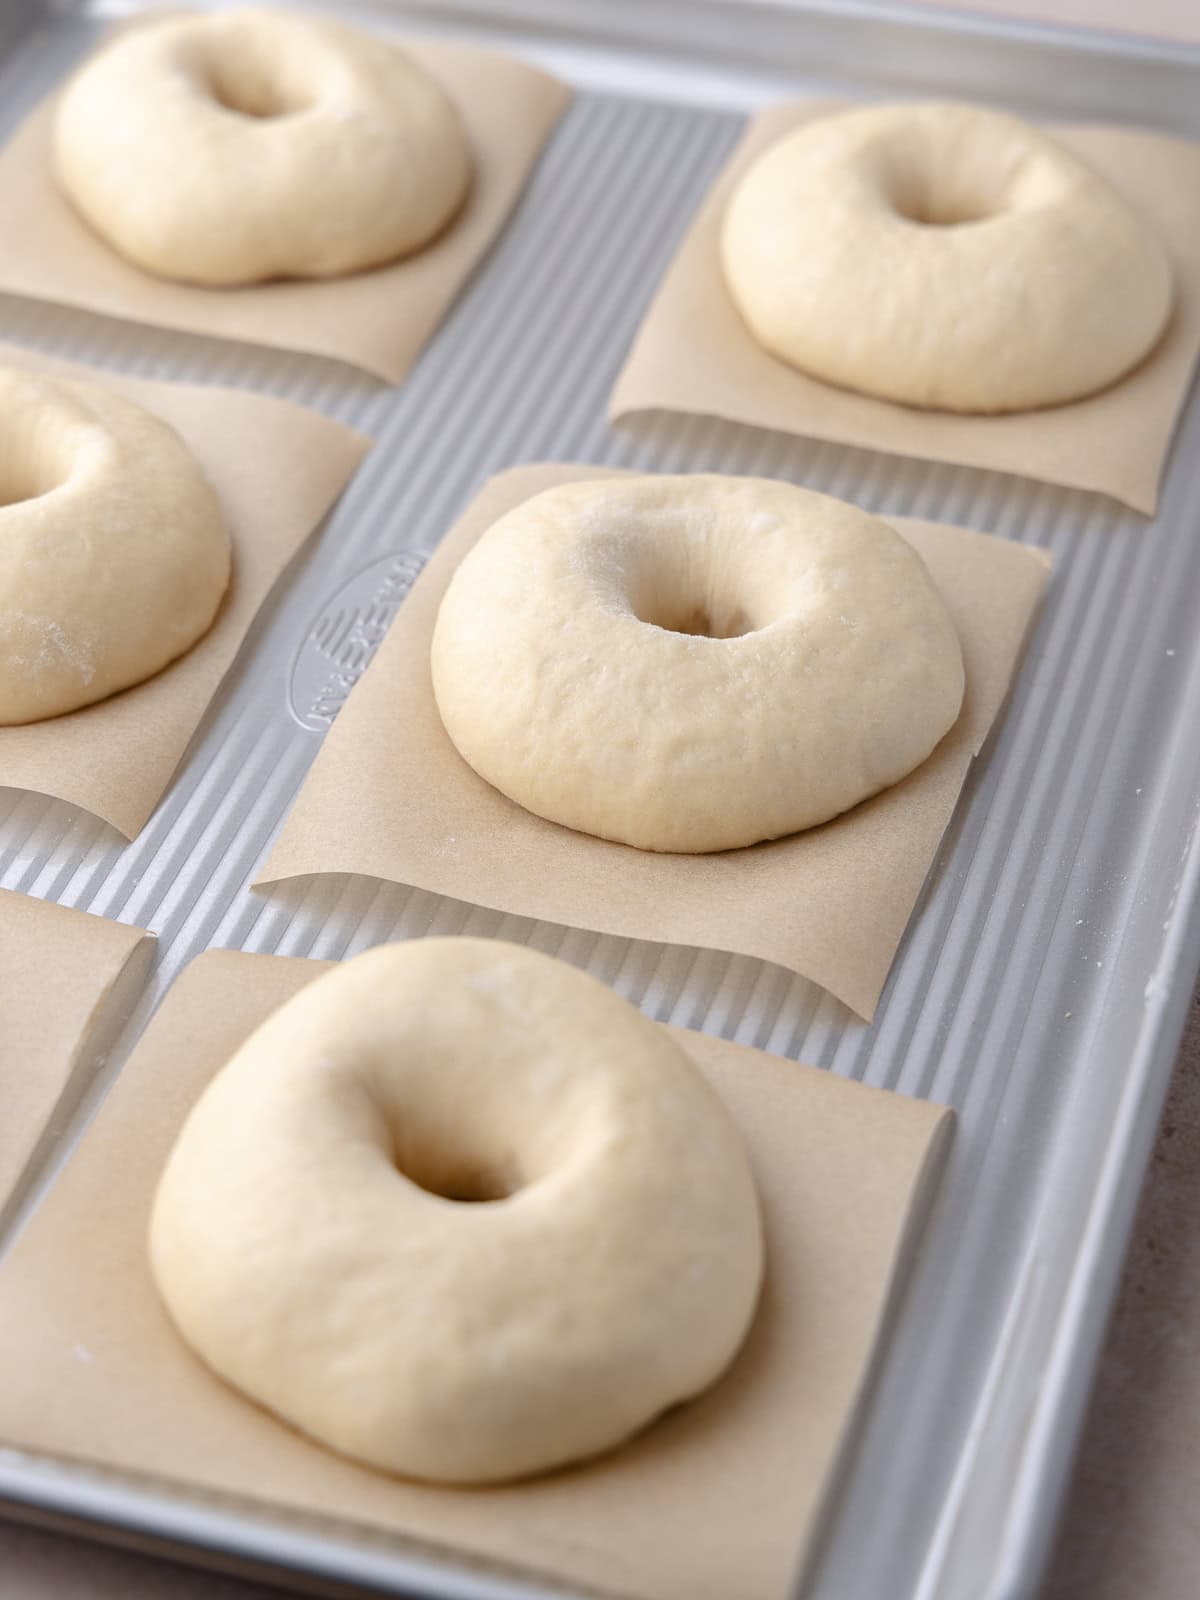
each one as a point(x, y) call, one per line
point(1043, 981)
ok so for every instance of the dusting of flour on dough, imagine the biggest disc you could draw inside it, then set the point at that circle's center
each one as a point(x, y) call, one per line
point(48, 647)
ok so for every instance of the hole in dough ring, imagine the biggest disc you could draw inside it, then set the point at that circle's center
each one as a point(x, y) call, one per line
point(114, 554)
point(693, 663)
point(252, 145)
point(461, 1343)
point(942, 256)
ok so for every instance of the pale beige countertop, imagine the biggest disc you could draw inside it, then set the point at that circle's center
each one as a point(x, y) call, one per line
point(1167, 19)
point(1129, 1530)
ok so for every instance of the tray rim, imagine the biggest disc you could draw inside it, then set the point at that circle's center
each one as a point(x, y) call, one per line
point(756, 34)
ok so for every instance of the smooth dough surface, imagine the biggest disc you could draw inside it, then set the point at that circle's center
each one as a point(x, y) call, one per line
point(942, 256)
point(114, 555)
point(259, 144)
point(693, 663)
point(460, 1212)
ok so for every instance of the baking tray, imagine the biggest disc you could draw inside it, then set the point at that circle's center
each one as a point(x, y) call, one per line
point(1043, 982)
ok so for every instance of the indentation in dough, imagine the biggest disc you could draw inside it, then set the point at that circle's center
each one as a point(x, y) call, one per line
point(459, 1175)
point(477, 1187)
point(928, 208)
point(248, 89)
point(35, 457)
point(451, 1156)
point(639, 564)
point(712, 618)
point(938, 193)
point(18, 484)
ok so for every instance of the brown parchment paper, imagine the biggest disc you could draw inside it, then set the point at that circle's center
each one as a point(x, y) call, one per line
point(377, 320)
point(694, 353)
point(389, 795)
point(277, 468)
point(718, 1499)
point(57, 968)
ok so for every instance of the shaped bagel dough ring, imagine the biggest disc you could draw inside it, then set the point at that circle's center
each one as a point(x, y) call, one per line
point(693, 663)
point(256, 144)
point(944, 256)
point(114, 554)
point(460, 1212)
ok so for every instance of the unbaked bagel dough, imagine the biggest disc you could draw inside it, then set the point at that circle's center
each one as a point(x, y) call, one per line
point(259, 144)
point(114, 554)
point(943, 256)
point(460, 1212)
point(693, 663)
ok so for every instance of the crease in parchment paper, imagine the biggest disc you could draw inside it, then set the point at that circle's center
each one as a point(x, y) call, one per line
point(390, 797)
point(57, 969)
point(719, 1497)
point(694, 354)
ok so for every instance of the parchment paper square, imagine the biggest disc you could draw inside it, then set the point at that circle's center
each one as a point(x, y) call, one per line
point(57, 969)
point(720, 1498)
point(377, 320)
point(389, 795)
point(277, 469)
point(694, 353)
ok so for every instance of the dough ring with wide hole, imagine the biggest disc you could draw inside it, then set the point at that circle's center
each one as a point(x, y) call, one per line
point(693, 663)
point(250, 145)
point(942, 256)
point(114, 554)
point(460, 1212)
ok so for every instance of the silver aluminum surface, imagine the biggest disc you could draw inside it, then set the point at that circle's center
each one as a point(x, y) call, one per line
point(1043, 981)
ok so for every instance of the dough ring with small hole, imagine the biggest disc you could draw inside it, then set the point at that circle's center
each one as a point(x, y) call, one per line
point(942, 256)
point(460, 1212)
point(114, 554)
point(693, 663)
point(251, 145)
